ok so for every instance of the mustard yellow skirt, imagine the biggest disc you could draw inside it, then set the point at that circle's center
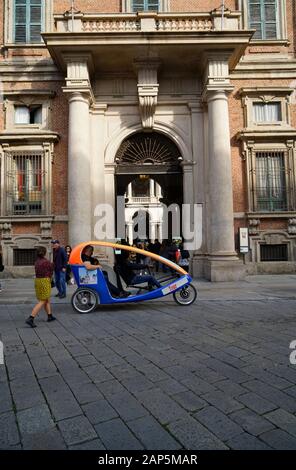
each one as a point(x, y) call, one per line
point(43, 288)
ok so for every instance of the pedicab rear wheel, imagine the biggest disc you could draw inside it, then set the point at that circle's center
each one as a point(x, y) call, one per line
point(186, 295)
point(84, 300)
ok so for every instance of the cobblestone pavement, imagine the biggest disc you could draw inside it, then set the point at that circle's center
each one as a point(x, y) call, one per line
point(215, 375)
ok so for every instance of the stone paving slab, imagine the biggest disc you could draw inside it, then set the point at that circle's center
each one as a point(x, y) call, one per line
point(215, 375)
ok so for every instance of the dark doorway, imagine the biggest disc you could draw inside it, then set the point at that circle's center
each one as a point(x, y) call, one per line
point(157, 157)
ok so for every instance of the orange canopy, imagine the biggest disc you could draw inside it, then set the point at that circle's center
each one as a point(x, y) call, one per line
point(75, 257)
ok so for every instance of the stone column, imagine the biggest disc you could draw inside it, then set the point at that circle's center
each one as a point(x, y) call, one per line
point(220, 175)
point(188, 200)
point(79, 182)
point(158, 191)
point(223, 263)
point(129, 191)
point(79, 92)
point(130, 232)
point(152, 231)
point(151, 188)
point(159, 236)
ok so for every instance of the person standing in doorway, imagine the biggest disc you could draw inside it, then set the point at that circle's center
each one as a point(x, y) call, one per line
point(60, 268)
point(43, 273)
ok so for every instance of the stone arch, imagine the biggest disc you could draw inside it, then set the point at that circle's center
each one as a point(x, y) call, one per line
point(144, 150)
point(171, 132)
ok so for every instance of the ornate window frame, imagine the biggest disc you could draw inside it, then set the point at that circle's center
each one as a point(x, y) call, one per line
point(7, 151)
point(9, 24)
point(251, 147)
point(27, 98)
point(126, 6)
point(266, 95)
point(282, 33)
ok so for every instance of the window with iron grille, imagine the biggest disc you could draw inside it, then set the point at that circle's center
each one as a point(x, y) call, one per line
point(25, 179)
point(28, 21)
point(24, 257)
point(274, 252)
point(263, 16)
point(269, 185)
point(145, 5)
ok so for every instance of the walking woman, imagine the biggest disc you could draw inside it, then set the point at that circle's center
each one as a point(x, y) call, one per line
point(43, 271)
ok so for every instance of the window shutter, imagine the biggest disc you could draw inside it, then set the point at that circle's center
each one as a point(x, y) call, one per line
point(145, 5)
point(28, 21)
point(153, 5)
point(263, 18)
point(270, 13)
point(20, 21)
point(35, 20)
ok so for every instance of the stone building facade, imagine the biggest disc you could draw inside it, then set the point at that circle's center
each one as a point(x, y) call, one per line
point(209, 90)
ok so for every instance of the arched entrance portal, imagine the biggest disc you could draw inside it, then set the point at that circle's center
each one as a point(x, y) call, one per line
point(149, 175)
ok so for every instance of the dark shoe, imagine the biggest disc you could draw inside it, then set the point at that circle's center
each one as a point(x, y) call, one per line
point(57, 295)
point(51, 318)
point(30, 322)
point(63, 296)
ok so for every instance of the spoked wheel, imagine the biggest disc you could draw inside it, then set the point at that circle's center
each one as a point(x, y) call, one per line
point(186, 295)
point(84, 300)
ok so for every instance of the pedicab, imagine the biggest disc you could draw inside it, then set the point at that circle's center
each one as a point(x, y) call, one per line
point(92, 289)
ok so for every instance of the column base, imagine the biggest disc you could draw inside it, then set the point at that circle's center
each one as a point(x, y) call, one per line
point(224, 269)
point(198, 265)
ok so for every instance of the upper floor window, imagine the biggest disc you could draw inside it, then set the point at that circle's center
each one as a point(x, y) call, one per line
point(28, 114)
point(263, 16)
point(145, 5)
point(267, 108)
point(28, 21)
point(267, 112)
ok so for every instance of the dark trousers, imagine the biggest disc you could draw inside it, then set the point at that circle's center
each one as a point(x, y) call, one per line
point(60, 282)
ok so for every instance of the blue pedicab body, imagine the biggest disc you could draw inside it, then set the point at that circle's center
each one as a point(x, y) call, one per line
point(98, 284)
point(93, 290)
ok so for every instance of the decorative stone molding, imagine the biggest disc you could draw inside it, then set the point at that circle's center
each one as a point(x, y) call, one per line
point(78, 70)
point(252, 95)
point(184, 24)
point(45, 228)
point(292, 226)
point(111, 25)
point(216, 73)
point(6, 229)
point(148, 21)
point(254, 225)
point(274, 238)
point(147, 90)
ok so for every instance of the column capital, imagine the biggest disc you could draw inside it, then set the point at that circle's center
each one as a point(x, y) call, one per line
point(216, 72)
point(79, 68)
point(211, 92)
point(83, 95)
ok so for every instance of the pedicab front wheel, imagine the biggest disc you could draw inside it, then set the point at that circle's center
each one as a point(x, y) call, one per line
point(186, 295)
point(84, 300)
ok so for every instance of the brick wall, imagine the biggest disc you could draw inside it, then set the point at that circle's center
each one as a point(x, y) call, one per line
point(89, 6)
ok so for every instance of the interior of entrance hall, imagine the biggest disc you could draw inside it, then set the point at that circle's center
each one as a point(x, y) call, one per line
point(149, 176)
